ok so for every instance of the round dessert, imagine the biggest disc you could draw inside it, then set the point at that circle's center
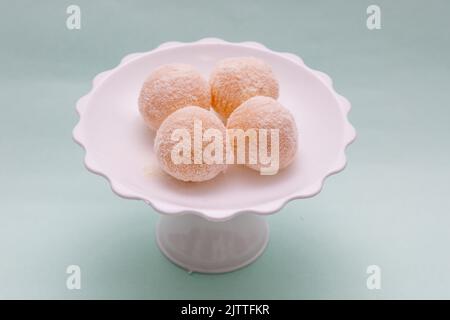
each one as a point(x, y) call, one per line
point(190, 144)
point(169, 88)
point(278, 147)
point(235, 80)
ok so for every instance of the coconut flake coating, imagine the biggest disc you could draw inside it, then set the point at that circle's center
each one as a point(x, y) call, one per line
point(267, 113)
point(169, 88)
point(235, 80)
point(184, 119)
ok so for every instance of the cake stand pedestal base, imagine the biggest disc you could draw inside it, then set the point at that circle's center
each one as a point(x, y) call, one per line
point(200, 245)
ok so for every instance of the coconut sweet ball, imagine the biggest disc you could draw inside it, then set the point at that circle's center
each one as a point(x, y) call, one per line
point(267, 113)
point(177, 138)
point(235, 80)
point(169, 88)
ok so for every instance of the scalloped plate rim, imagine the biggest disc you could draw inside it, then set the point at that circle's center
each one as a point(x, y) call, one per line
point(220, 214)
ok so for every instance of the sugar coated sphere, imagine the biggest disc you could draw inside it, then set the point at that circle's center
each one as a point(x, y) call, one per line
point(235, 80)
point(188, 144)
point(169, 88)
point(266, 113)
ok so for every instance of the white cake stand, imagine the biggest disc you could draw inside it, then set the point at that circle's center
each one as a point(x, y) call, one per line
point(219, 225)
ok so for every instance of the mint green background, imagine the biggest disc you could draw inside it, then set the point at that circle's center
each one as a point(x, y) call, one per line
point(390, 207)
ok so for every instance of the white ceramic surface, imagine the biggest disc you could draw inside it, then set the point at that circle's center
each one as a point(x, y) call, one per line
point(119, 146)
point(200, 245)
